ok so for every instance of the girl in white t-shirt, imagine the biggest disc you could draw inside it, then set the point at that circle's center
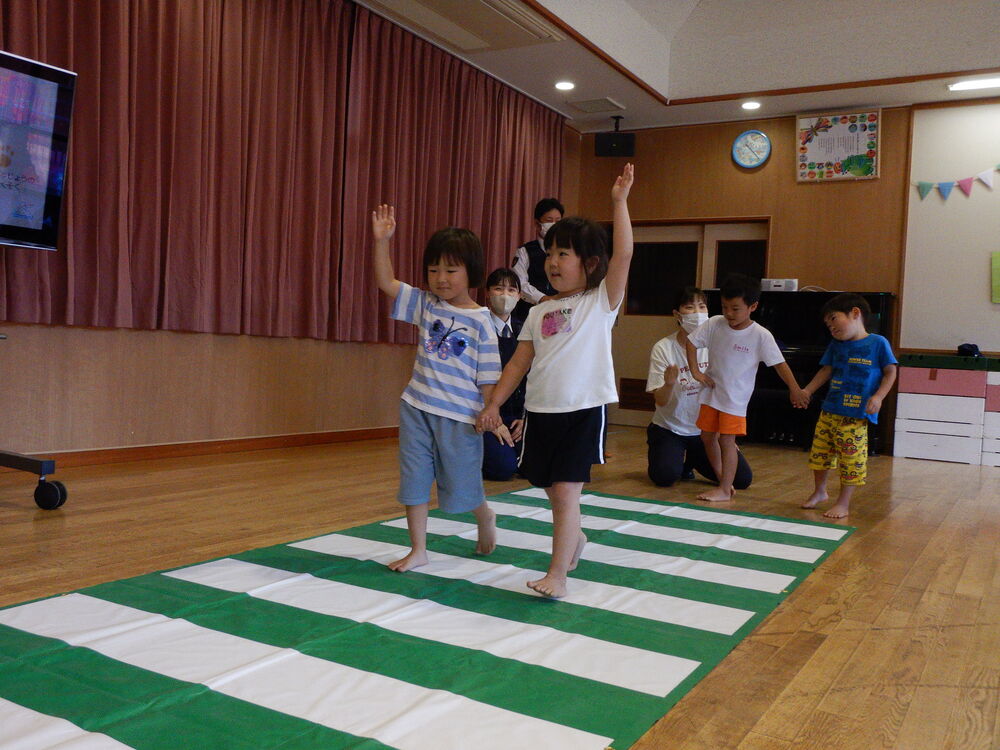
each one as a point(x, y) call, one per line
point(566, 345)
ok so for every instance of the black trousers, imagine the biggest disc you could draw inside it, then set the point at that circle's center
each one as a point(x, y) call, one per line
point(671, 454)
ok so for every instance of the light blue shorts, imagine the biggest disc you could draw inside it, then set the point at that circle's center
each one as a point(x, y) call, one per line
point(437, 448)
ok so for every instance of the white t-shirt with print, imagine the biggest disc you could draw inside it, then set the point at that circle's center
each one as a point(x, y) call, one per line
point(680, 412)
point(733, 357)
point(572, 368)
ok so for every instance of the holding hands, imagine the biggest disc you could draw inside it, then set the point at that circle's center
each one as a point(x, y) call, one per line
point(800, 398)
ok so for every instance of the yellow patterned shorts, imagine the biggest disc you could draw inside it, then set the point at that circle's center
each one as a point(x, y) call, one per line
point(844, 441)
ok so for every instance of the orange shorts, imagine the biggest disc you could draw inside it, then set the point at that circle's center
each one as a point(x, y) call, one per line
point(711, 419)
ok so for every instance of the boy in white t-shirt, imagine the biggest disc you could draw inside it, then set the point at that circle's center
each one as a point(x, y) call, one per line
point(736, 345)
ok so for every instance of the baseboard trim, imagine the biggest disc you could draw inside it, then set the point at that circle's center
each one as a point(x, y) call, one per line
point(101, 456)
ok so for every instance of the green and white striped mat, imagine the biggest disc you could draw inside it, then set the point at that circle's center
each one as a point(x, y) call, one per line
point(316, 644)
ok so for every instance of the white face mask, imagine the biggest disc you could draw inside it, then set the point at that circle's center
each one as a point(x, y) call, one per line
point(690, 321)
point(545, 228)
point(502, 304)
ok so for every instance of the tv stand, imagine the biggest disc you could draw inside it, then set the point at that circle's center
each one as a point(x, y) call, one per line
point(48, 495)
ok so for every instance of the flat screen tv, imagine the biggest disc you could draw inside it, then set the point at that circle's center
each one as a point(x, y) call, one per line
point(36, 101)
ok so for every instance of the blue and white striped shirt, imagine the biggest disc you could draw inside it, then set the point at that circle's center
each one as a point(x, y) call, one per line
point(456, 354)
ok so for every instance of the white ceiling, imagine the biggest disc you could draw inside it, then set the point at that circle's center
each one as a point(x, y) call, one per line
point(684, 49)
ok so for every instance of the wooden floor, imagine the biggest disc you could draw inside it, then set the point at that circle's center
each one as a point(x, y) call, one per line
point(893, 642)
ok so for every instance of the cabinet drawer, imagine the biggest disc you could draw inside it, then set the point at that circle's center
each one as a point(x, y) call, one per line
point(961, 450)
point(991, 445)
point(942, 382)
point(940, 408)
point(991, 459)
point(926, 427)
point(991, 424)
point(993, 378)
point(993, 397)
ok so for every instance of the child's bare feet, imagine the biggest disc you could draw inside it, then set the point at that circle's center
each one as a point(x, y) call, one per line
point(411, 561)
point(837, 511)
point(486, 521)
point(579, 551)
point(817, 497)
point(717, 495)
point(550, 586)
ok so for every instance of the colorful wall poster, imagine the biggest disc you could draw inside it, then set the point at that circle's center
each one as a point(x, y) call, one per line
point(834, 147)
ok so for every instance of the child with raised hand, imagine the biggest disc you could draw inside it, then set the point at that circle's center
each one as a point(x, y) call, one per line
point(861, 369)
point(566, 344)
point(736, 344)
point(456, 367)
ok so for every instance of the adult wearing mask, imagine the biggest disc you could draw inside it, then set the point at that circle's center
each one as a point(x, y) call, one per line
point(529, 259)
point(676, 450)
point(503, 291)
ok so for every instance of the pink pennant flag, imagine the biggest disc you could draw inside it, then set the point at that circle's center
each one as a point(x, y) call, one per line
point(986, 177)
point(965, 184)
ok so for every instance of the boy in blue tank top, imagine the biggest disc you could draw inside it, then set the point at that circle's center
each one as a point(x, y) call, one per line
point(861, 369)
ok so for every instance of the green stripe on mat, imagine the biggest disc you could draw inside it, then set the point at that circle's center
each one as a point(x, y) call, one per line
point(643, 580)
point(627, 630)
point(760, 535)
point(151, 711)
point(146, 710)
point(374, 649)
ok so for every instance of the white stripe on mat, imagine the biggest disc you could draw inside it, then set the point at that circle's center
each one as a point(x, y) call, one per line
point(396, 713)
point(674, 610)
point(579, 655)
point(699, 570)
point(707, 516)
point(27, 729)
point(670, 534)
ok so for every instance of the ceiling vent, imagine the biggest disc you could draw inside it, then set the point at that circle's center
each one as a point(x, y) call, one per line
point(529, 22)
point(597, 106)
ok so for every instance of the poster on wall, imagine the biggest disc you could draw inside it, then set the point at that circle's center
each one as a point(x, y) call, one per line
point(841, 146)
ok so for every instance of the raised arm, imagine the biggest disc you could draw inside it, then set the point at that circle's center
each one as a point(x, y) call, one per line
point(621, 244)
point(383, 227)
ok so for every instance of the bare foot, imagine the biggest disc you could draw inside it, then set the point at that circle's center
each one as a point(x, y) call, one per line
point(552, 587)
point(837, 511)
point(819, 496)
point(579, 551)
point(411, 561)
point(717, 495)
point(487, 524)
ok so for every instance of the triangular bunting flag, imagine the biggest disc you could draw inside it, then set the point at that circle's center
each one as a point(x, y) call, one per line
point(986, 177)
point(965, 184)
point(924, 188)
point(945, 189)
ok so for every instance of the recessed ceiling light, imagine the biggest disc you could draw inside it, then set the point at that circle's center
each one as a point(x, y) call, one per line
point(750, 105)
point(981, 83)
point(565, 85)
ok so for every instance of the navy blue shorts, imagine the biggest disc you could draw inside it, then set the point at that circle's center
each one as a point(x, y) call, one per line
point(561, 447)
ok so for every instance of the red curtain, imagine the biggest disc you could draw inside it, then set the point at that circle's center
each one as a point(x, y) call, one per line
point(447, 145)
point(225, 156)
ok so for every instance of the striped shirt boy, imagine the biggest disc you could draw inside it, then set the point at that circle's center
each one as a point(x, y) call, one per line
point(457, 353)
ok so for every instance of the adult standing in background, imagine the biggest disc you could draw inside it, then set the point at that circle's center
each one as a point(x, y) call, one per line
point(529, 259)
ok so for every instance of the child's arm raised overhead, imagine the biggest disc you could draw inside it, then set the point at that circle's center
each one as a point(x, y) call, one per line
point(383, 227)
point(621, 257)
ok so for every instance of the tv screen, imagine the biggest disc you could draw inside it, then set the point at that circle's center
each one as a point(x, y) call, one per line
point(36, 101)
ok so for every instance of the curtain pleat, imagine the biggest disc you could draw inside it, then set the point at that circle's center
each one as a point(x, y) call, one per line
point(226, 154)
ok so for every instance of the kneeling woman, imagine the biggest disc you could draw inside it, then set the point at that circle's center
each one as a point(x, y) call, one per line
point(675, 447)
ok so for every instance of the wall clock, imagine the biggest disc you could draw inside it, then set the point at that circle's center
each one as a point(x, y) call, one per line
point(751, 148)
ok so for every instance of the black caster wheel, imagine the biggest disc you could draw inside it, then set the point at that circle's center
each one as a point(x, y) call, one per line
point(63, 492)
point(50, 495)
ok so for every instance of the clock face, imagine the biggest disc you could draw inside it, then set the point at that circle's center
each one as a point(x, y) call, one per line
point(751, 148)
